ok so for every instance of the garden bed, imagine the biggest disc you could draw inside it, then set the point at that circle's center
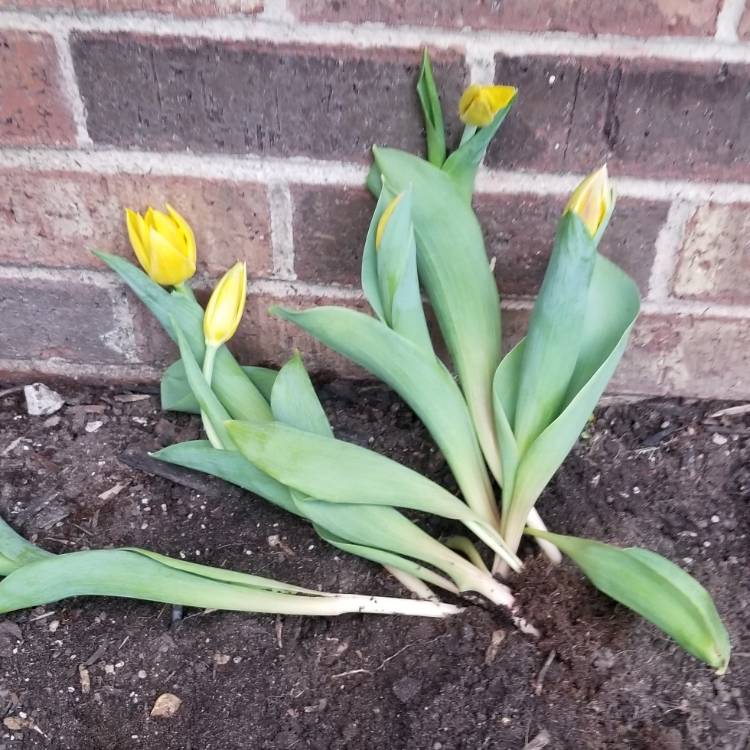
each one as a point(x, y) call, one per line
point(658, 473)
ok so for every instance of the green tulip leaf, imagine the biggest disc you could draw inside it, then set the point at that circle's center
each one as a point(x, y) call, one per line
point(454, 270)
point(233, 388)
point(177, 396)
point(419, 378)
point(433, 113)
point(656, 589)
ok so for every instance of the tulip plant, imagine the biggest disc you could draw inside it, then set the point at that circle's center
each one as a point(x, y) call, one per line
point(506, 421)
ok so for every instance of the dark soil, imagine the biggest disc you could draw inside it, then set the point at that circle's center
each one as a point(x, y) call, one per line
point(660, 474)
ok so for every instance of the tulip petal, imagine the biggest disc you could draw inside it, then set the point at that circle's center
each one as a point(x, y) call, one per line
point(187, 232)
point(138, 235)
point(168, 230)
point(169, 266)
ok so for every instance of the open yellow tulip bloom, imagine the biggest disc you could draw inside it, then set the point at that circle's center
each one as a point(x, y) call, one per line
point(479, 104)
point(164, 245)
point(225, 308)
point(592, 200)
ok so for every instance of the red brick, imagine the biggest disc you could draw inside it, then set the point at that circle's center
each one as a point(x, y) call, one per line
point(636, 17)
point(57, 218)
point(648, 118)
point(714, 261)
point(32, 105)
point(183, 8)
point(262, 339)
point(682, 355)
point(519, 231)
point(330, 226)
point(281, 100)
point(71, 321)
point(672, 355)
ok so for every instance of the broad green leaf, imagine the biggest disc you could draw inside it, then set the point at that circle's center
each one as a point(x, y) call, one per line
point(294, 401)
point(454, 270)
point(370, 283)
point(462, 165)
point(336, 471)
point(554, 338)
point(233, 388)
point(177, 396)
point(433, 113)
point(396, 262)
point(613, 305)
point(656, 589)
point(212, 409)
point(15, 551)
point(230, 466)
point(137, 574)
point(419, 378)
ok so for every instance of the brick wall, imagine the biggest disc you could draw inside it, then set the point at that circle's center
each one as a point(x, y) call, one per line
point(255, 119)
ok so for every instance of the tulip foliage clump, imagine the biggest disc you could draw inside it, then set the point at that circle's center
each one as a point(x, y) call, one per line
point(500, 421)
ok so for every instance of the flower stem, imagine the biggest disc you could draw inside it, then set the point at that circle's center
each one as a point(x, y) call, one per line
point(208, 371)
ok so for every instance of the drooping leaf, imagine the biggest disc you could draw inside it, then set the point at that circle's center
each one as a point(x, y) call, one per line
point(656, 589)
point(138, 574)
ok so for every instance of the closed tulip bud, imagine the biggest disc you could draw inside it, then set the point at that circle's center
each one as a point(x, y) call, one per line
point(389, 209)
point(164, 245)
point(479, 104)
point(592, 200)
point(225, 307)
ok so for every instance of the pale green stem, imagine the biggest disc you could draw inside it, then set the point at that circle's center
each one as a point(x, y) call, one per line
point(208, 371)
point(469, 132)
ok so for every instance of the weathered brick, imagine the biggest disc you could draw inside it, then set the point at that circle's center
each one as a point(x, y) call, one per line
point(262, 339)
point(714, 261)
point(682, 355)
point(648, 118)
point(672, 355)
point(72, 321)
point(183, 8)
point(32, 105)
point(205, 95)
point(637, 17)
point(330, 225)
point(519, 231)
point(57, 218)
point(744, 27)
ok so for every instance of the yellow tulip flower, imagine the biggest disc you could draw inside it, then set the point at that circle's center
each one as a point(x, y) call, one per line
point(164, 245)
point(479, 104)
point(592, 200)
point(225, 307)
point(389, 209)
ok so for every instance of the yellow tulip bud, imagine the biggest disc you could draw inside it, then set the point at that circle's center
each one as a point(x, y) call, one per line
point(479, 104)
point(592, 199)
point(164, 245)
point(225, 307)
point(389, 209)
